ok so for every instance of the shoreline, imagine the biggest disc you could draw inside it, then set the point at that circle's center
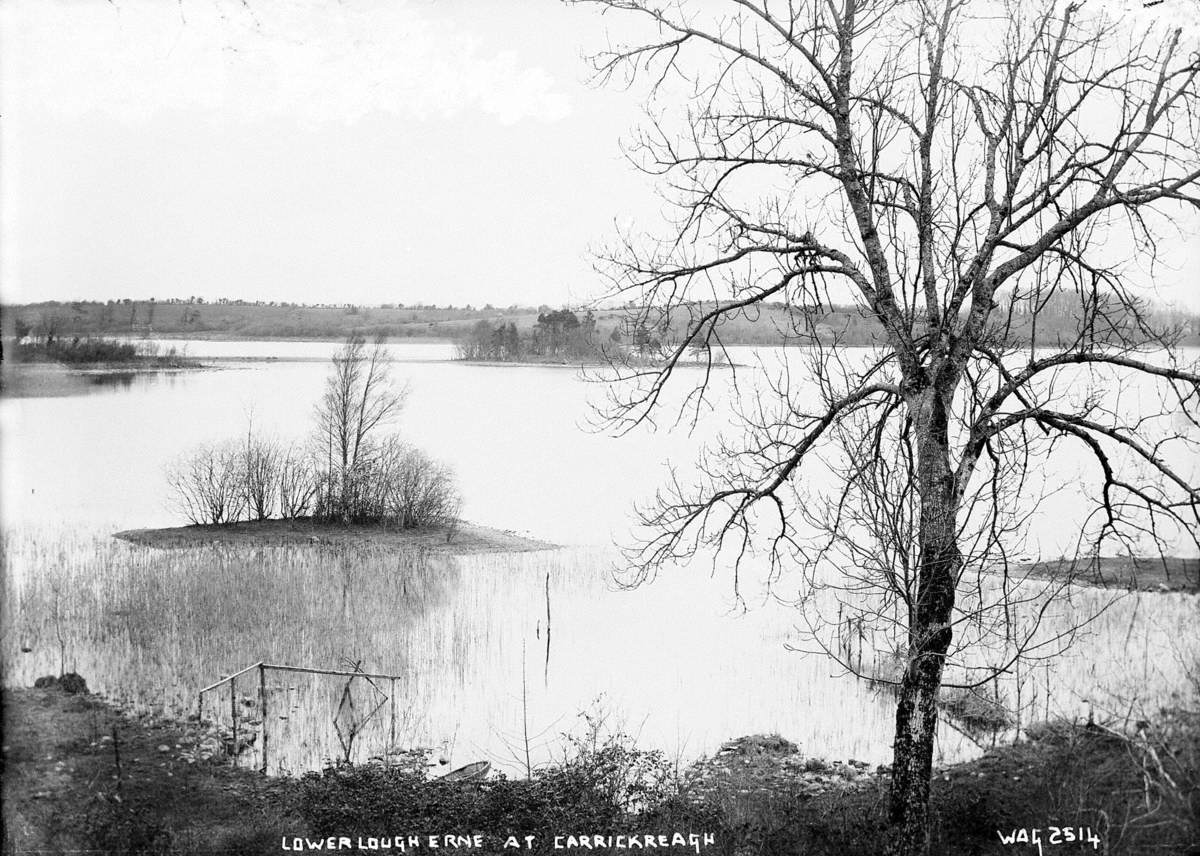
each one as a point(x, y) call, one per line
point(52, 380)
point(467, 539)
point(84, 772)
point(1171, 574)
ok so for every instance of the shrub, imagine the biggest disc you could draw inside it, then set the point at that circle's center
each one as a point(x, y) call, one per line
point(420, 492)
point(258, 466)
point(395, 483)
point(208, 484)
point(973, 711)
point(606, 785)
point(296, 484)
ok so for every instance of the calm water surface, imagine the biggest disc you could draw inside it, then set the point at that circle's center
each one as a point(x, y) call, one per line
point(673, 660)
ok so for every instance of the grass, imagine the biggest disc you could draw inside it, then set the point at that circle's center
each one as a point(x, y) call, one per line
point(152, 627)
point(149, 628)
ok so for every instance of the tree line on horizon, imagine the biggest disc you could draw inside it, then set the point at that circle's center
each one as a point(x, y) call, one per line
point(540, 331)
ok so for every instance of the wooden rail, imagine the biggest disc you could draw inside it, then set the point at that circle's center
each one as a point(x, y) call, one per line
point(262, 669)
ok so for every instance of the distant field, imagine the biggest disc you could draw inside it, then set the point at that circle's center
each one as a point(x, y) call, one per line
point(768, 324)
point(245, 320)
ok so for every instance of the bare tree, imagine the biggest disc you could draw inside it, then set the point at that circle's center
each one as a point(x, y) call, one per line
point(208, 484)
point(955, 170)
point(297, 483)
point(360, 400)
point(259, 464)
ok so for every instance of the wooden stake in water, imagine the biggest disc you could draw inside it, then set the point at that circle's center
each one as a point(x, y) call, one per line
point(116, 756)
point(546, 670)
point(233, 716)
point(392, 729)
point(262, 692)
point(525, 713)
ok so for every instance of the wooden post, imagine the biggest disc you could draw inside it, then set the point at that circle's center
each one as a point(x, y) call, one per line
point(233, 716)
point(262, 693)
point(546, 667)
point(392, 731)
point(116, 740)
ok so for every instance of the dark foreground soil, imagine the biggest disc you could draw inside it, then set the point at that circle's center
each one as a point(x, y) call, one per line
point(79, 776)
point(67, 789)
point(465, 539)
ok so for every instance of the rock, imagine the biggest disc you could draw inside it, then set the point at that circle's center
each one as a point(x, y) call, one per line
point(759, 744)
point(73, 683)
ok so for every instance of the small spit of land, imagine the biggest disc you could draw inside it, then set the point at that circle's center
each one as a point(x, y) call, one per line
point(1124, 572)
point(461, 539)
point(80, 774)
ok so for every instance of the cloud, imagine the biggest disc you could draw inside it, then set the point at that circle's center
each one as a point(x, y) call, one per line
point(316, 61)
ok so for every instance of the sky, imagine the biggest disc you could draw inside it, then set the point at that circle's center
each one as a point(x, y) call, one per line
point(425, 151)
point(433, 151)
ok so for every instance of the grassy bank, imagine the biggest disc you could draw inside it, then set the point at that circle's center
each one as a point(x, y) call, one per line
point(81, 776)
point(1123, 572)
point(68, 787)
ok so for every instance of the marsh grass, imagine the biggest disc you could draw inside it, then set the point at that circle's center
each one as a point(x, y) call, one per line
point(150, 627)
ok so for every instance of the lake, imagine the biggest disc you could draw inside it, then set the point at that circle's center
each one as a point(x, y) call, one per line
point(673, 661)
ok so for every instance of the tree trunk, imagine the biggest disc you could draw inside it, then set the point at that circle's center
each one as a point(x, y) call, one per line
point(929, 632)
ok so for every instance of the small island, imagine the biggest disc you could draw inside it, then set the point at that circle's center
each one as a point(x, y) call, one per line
point(458, 539)
point(46, 364)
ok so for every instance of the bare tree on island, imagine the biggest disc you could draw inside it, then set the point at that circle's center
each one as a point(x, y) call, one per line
point(957, 171)
point(360, 401)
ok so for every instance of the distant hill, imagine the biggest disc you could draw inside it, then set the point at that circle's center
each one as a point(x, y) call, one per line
point(233, 319)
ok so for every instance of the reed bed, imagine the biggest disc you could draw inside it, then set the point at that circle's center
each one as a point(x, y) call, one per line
point(496, 654)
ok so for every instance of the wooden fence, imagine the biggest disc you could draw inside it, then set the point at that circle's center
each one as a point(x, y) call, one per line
point(261, 668)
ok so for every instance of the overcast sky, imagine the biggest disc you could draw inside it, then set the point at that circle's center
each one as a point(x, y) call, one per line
point(445, 151)
point(435, 151)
